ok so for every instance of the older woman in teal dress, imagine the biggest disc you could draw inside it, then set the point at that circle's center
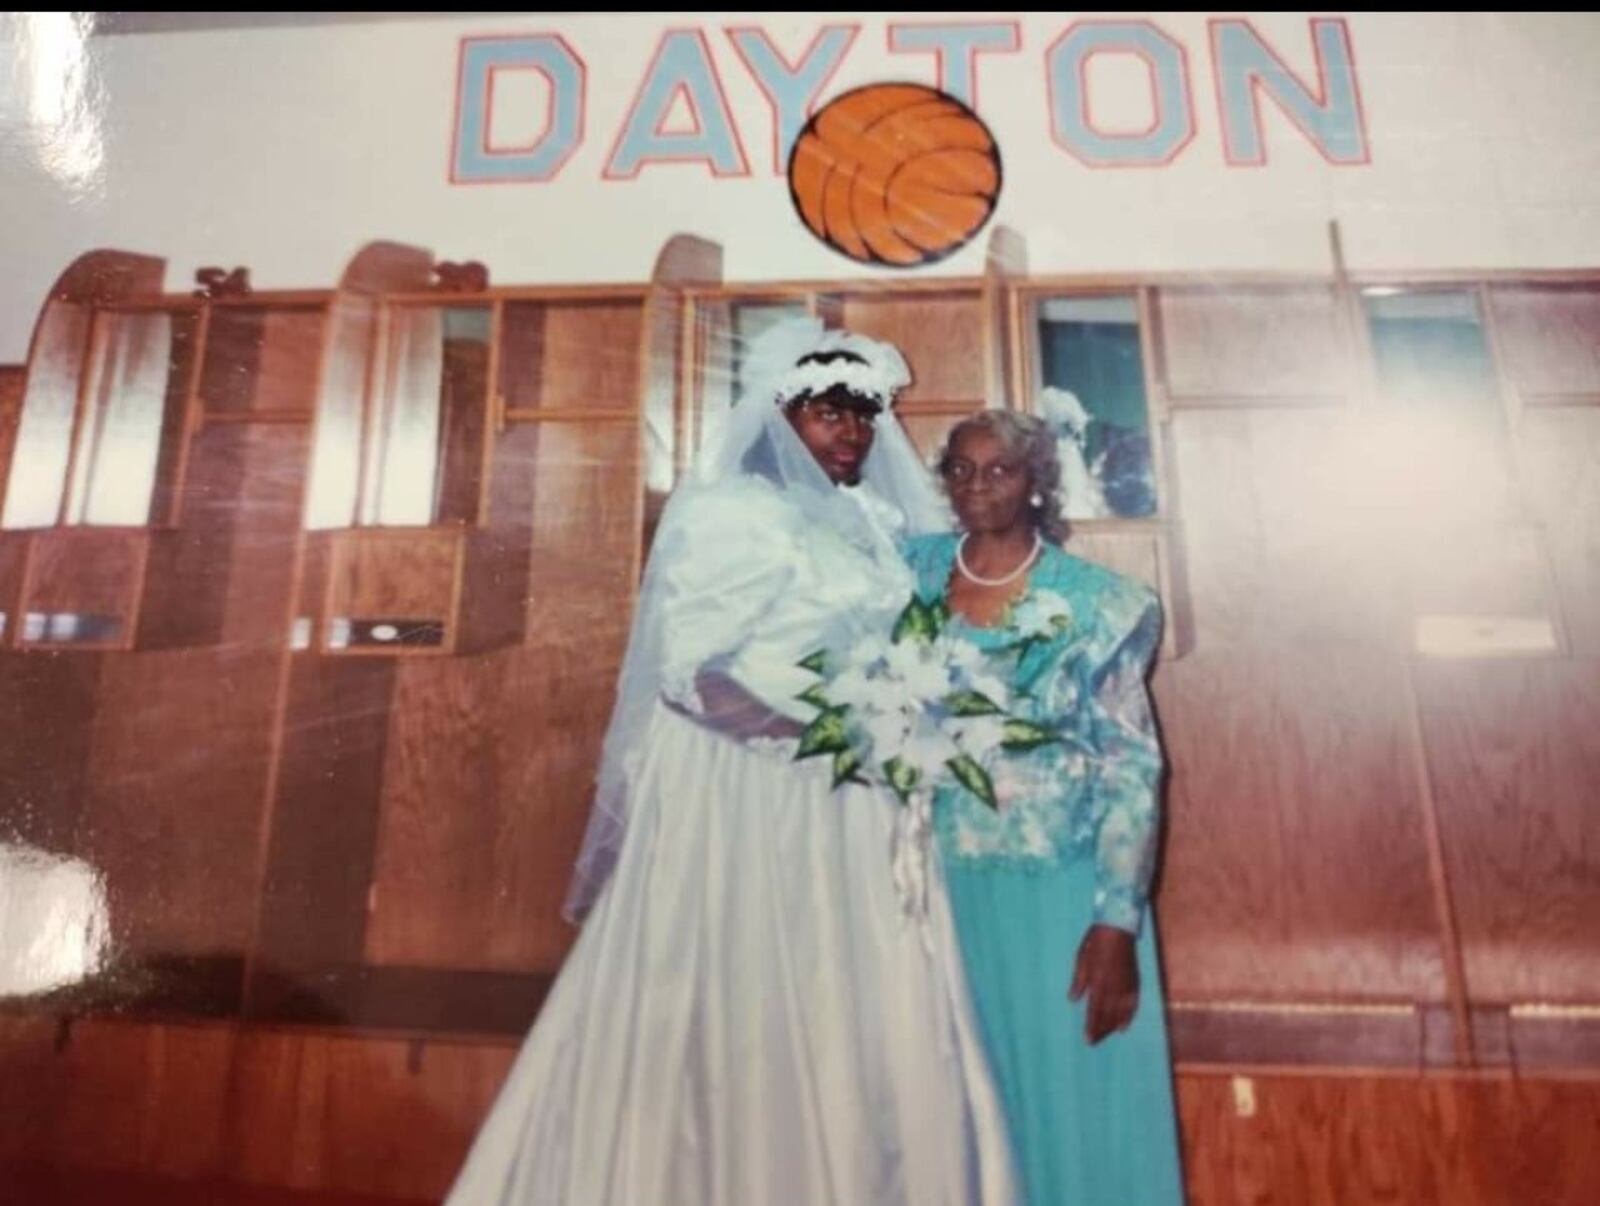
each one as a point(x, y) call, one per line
point(1049, 890)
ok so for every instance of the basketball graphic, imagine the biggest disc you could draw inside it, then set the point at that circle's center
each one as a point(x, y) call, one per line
point(895, 174)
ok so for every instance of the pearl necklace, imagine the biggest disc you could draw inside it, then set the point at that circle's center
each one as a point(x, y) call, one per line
point(1027, 564)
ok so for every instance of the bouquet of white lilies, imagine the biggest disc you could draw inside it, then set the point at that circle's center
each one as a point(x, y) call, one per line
point(917, 710)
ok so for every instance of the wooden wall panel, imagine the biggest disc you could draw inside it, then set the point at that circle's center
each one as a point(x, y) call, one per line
point(434, 880)
point(494, 603)
point(547, 785)
point(1514, 749)
point(1244, 344)
point(513, 738)
point(13, 566)
point(12, 378)
point(1549, 339)
point(1343, 1141)
point(404, 572)
point(111, 1095)
point(367, 1115)
point(586, 483)
point(88, 571)
point(176, 787)
point(1296, 867)
point(382, 1116)
point(927, 431)
point(940, 335)
point(224, 577)
point(47, 707)
point(26, 1073)
point(291, 350)
point(591, 355)
point(1560, 476)
point(273, 462)
point(1282, 547)
point(324, 819)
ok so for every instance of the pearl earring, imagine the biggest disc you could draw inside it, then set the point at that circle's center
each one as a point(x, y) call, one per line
point(1037, 500)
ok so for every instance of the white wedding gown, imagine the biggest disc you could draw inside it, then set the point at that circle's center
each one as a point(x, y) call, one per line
point(747, 1018)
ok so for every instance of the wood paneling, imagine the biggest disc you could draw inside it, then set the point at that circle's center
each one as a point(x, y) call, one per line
point(571, 355)
point(564, 695)
point(358, 1114)
point(47, 708)
point(1550, 340)
point(113, 1095)
point(43, 1185)
point(224, 577)
point(1295, 859)
point(1348, 1140)
point(1560, 476)
point(1514, 749)
point(1284, 545)
point(940, 335)
point(324, 818)
point(177, 780)
point(513, 739)
point(13, 568)
point(377, 1116)
point(12, 379)
point(434, 880)
point(87, 572)
point(1299, 1035)
point(586, 484)
point(262, 361)
point(1251, 344)
point(463, 426)
point(409, 573)
point(927, 431)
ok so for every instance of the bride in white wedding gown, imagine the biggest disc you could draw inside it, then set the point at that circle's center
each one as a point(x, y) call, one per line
point(749, 1017)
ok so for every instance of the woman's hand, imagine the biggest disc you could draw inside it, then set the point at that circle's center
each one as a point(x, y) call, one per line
point(1108, 974)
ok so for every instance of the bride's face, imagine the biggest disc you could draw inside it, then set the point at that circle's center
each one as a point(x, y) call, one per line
point(838, 432)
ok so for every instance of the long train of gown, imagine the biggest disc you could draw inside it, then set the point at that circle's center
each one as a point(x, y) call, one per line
point(747, 1019)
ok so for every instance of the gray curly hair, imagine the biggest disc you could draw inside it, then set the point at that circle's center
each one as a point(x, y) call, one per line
point(1032, 441)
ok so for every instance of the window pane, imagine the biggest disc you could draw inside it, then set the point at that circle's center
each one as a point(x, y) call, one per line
point(336, 458)
point(433, 374)
point(44, 434)
point(133, 415)
point(1093, 392)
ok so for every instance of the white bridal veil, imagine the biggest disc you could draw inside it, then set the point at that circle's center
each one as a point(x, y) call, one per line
point(795, 358)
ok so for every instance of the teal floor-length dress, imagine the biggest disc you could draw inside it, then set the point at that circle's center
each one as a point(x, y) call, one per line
point(1072, 844)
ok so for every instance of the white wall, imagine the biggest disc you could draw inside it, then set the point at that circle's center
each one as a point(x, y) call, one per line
point(286, 149)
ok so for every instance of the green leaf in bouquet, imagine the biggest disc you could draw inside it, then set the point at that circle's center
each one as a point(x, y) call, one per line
point(816, 662)
point(971, 703)
point(824, 735)
point(917, 622)
point(817, 696)
point(941, 615)
point(975, 779)
point(1023, 735)
point(902, 777)
point(846, 768)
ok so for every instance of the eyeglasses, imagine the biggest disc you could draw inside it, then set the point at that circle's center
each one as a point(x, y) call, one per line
point(960, 472)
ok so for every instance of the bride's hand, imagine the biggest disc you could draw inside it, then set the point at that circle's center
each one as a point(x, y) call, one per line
point(1107, 973)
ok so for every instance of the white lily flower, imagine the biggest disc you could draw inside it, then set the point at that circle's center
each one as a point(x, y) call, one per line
point(925, 677)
